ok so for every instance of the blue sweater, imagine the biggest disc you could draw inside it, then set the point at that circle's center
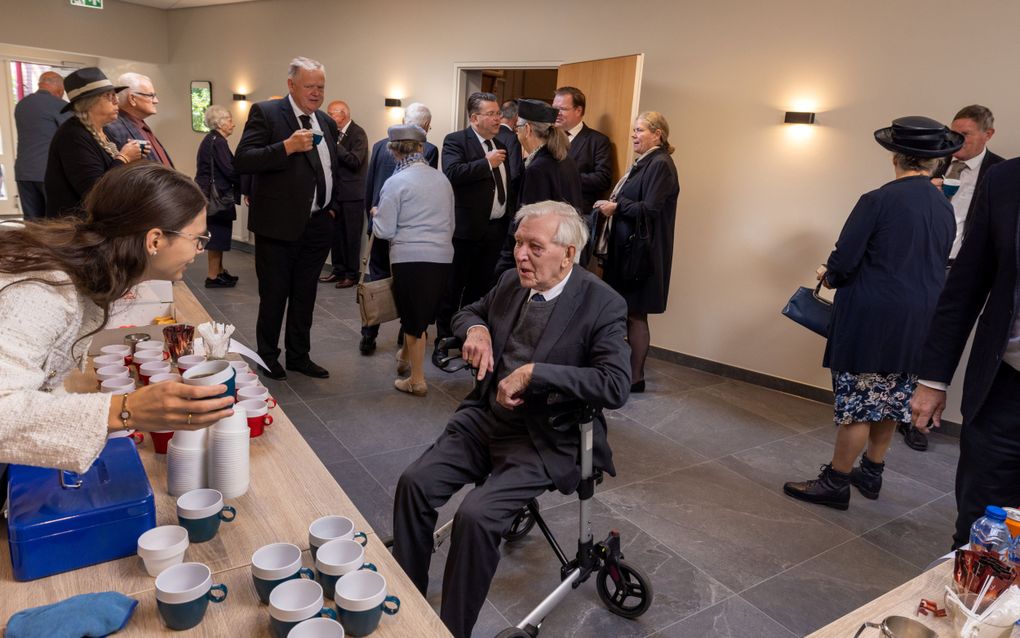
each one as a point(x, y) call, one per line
point(415, 214)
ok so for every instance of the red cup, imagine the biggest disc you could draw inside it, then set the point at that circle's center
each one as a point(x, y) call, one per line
point(257, 414)
point(160, 440)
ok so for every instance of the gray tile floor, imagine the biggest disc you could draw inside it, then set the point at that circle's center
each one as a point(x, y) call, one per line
point(698, 498)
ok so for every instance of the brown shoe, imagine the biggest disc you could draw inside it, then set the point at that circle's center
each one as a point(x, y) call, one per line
point(405, 385)
point(346, 282)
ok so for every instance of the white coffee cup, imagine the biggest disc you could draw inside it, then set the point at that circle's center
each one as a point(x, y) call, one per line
point(162, 547)
point(118, 385)
point(105, 360)
point(112, 372)
point(247, 393)
point(188, 361)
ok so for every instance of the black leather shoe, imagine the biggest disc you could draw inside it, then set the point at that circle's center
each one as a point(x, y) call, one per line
point(437, 356)
point(831, 489)
point(637, 388)
point(276, 371)
point(226, 275)
point(367, 345)
point(220, 282)
point(310, 369)
point(914, 438)
point(867, 477)
point(328, 279)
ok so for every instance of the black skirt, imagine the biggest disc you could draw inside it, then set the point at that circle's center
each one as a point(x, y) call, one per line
point(418, 287)
point(220, 232)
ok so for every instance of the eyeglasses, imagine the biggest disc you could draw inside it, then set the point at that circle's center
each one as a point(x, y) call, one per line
point(200, 240)
point(151, 96)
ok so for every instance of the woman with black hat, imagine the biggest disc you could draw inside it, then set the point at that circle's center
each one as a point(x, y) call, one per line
point(888, 268)
point(80, 152)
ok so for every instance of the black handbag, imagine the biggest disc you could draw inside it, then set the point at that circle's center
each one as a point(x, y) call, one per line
point(808, 308)
point(636, 253)
point(221, 207)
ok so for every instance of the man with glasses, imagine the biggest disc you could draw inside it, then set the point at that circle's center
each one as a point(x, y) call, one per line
point(474, 162)
point(589, 149)
point(137, 103)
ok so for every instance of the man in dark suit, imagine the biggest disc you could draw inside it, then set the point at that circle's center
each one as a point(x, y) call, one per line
point(37, 117)
point(136, 104)
point(352, 154)
point(474, 162)
point(379, 170)
point(289, 148)
point(968, 166)
point(547, 332)
point(983, 280)
point(508, 135)
point(589, 149)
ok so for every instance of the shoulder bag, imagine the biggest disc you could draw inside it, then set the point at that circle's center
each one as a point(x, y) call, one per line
point(375, 298)
point(808, 308)
point(636, 253)
point(221, 206)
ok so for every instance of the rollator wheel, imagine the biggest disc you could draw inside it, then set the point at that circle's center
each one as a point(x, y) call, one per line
point(513, 632)
point(624, 589)
point(522, 524)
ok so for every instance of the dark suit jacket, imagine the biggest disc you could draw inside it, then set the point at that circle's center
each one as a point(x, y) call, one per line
point(473, 183)
point(593, 154)
point(121, 131)
point(352, 153)
point(282, 186)
point(983, 276)
point(583, 354)
point(75, 163)
point(514, 159)
point(380, 168)
point(991, 159)
point(37, 117)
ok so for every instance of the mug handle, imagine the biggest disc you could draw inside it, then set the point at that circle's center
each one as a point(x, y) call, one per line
point(227, 509)
point(304, 571)
point(364, 538)
point(137, 437)
point(267, 419)
point(326, 611)
point(271, 402)
point(369, 566)
point(865, 626)
point(392, 600)
point(217, 588)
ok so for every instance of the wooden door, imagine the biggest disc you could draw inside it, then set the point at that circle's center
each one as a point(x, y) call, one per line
point(612, 88)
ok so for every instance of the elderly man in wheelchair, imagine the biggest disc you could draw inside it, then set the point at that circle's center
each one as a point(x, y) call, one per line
point(548, 334)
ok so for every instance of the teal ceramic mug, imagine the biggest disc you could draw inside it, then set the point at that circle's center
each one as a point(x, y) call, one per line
point(361, 601)
point(183, 593)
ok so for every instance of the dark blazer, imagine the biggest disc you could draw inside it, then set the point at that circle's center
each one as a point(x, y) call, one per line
point(991, 159)
point(352, 153)
point(474, 186)
point(37, 117)
point(593, 155)
point(514, 157)
point(215, 160)
point(282, 186)
point(651, 191)
point(381, 166)
point(888, 268)
point(75, 163)
point(122, 130)
point(983, 280)
point(583, 354)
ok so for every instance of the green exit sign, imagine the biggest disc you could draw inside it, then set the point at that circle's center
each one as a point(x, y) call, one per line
point(91, 4)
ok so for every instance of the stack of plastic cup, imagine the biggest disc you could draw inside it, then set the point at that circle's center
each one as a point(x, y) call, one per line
point(186, 467)
point(229, 461)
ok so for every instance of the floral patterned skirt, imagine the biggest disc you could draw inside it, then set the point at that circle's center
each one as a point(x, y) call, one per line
point(871, 397)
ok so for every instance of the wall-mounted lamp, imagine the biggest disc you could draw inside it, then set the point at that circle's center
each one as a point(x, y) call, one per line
point(795, 117)
point(240, 97)
point(392, 102)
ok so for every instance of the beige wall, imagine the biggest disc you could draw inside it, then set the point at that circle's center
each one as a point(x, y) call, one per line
point(760, 207)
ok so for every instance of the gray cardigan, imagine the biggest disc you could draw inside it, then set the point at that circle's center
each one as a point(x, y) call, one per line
point(415, 214)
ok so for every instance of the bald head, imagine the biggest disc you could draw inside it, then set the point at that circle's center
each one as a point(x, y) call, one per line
point(340, 112)
point(52, 83)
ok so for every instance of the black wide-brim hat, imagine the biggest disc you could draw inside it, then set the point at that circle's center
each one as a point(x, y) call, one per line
point(919, 136)
point(536, 111)
point(86, 82)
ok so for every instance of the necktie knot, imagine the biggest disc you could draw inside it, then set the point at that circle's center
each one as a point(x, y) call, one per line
point(537, 297)
point(956, 169)
point(306, 121)
point(488, 145)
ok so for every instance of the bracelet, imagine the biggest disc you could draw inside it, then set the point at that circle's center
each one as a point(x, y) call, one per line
point(124, 413)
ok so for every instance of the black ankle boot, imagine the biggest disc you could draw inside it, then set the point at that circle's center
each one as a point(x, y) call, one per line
point(831, 488)
point(867, 477)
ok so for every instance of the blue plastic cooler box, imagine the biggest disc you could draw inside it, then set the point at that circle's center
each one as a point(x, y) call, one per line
point(59, 521)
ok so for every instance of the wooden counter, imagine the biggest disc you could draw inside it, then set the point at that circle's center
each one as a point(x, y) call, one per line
point(289, 489)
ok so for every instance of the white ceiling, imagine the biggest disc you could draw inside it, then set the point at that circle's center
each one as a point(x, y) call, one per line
point(182, 4)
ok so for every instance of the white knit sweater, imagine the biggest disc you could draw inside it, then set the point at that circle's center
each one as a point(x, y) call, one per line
point(40, 423)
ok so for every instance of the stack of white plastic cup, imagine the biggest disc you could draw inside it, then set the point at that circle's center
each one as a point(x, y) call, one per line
point(186, 467)
point(229, 460)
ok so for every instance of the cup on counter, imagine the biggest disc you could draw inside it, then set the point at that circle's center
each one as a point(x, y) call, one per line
point(105, 360)
point(211, 373)
point(246, 379)
point(361, 601)
point(160, 440)
point(163, 377)
point(146, 356)
point(250, 392)
point(120, 350)
point(240, 366)
point(134, 435)
point(117, 385)
point(183, 593)
point(317, 628)
point(200, 512)
point(336, 558)
point(257, 413)
point(162, 547)
point(189, 361)
point(295, 601)
point(275, 564)
point(328, 528)
point(113, 372)
point(147, 370)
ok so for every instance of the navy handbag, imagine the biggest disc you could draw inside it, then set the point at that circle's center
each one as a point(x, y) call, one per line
point(810, 309)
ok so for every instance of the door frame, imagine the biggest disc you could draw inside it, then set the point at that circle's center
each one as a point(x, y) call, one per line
point(458, 119)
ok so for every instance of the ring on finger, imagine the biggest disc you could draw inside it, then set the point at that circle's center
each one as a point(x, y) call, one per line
point(189, 418)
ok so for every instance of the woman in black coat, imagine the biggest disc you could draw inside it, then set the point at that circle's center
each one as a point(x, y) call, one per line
point(216, 162)
point(634, 238)
point(888, 269)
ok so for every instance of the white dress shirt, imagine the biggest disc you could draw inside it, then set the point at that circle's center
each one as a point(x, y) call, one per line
point(572, 133)
point(498, 210)
point(327, 163)
point(961, 200)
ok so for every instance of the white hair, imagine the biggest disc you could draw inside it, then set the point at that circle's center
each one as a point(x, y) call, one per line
point(216, 115)
point(133, 82)
point(299, 64)
point(418, 114)
point(572, 231)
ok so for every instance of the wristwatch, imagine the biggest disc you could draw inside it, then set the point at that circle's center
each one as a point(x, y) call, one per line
point(124, 413)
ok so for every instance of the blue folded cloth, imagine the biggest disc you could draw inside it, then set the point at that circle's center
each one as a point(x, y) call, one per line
point(91, 615)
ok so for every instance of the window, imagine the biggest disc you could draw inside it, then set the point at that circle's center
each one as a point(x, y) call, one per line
point(201, 98)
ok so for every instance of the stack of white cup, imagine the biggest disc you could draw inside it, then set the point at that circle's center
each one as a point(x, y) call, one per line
point(186, 467)
point(229, 460)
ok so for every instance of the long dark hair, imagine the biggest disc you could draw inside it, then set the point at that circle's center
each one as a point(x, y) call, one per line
point(103, 253)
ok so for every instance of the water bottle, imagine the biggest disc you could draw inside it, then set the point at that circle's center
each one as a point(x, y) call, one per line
point(989, 533)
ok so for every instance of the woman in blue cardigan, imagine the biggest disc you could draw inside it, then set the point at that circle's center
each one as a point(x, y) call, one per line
point(888, 269)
